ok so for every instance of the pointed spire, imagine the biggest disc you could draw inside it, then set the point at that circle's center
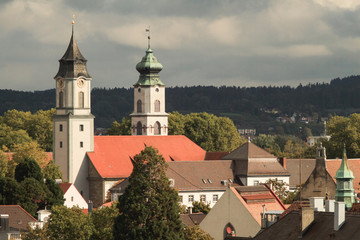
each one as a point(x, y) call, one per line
point(344, 170)
point(73, 63)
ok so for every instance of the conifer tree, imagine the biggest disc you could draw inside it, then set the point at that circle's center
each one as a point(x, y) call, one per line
point(149, 207)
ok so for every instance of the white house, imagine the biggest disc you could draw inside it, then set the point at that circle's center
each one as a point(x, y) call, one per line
point(72, 196)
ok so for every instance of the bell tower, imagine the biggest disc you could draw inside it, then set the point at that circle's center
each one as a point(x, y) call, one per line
point(149, 116)
point(73, 123)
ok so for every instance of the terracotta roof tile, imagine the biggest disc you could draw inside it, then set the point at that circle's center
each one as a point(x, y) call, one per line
point(248, 151)
point(18, 217)
point(65, 186)
point(111, 156)
point(215, 155)
point(332, 165)
point(256, 208)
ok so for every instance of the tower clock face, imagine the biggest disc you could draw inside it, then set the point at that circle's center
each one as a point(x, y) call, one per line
point(81, 82)
point(60, 83)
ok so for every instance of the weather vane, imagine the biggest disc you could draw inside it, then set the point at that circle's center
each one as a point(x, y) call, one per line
point(73, 18)
point(148, 30)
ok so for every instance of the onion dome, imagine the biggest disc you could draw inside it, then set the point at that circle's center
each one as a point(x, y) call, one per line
point(149, 69)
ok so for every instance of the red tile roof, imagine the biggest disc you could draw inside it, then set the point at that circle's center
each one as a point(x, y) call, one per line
point(64, 187)
point(111, 156)
point(262, 194)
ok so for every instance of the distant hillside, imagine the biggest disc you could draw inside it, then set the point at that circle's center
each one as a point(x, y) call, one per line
point(251, 107)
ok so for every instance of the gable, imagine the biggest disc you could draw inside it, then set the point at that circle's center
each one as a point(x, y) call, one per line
point(111, 156)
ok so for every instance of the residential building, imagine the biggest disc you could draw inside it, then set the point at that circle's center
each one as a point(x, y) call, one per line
point(240, 211)
point(253, 165)
point(72, 196)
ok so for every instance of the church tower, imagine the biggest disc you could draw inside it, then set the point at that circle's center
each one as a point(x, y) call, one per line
point(149, 116)
point(73, 123)
point(344, 183)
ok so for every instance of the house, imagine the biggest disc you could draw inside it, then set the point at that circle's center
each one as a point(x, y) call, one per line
point(72, 196)
point(13, 220)
point(306, 223)
point(253, 165)
point(202, 181)
point(192, 219)
point(239, 211)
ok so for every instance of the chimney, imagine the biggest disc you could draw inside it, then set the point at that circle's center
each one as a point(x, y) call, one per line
point(282, 161)
point(4, 223)
point(190, 210)
point(339, 215)
point(307, 218)
point(329, 205)
point(90, 206)
point(317, 203)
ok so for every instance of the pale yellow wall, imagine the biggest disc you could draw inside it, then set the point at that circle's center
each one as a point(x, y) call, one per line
point(229, 209)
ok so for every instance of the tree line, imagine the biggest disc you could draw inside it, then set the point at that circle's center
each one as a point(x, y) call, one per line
point(246, 106)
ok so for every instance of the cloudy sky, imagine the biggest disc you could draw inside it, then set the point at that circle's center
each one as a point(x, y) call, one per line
point(199, 42)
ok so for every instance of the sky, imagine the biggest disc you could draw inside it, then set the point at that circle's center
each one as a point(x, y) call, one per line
point(199, 42)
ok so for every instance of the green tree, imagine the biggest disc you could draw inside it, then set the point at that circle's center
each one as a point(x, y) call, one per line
point(123, 128)
point(36, 198)
point(10, 191)
point(149, 207)
point(9, 137)
point(103, 221)
point(30, 150)
point(55, 195)
point(201, 207)
point(280, 188)
point(28, 169)
point(343, 130)
point(196, 233)
point(176, 123)
point(68, 224)
point(52, 171)
point(4, 165)
point(35, 234)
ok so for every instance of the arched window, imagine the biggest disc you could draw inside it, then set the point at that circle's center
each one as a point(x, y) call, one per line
point(61, 99)
point(81, 99)
point(157, 106)
point(157, 128)
point(139, 128)
point(139, 106)
point(229, 230)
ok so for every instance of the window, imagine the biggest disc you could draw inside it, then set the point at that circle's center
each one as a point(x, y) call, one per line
point(139, 128)
point(203, 180)
point(72, 199)
point(139, 106)
point(61, 99)
point(256, 183)
point(81, 144)
point(81, 127)
point(209, 180)
point(280, 181)
point(157, 128)
point(191, 198)
point(181, 198)
point(139, 89)
point(60, 127)
point(157, 106)
point(215, 198)
point(203, 198)
point(81, 99)
point(346, 184)
point(60, 144)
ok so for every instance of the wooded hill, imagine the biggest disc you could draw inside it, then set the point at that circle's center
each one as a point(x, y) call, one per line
point(249, 107)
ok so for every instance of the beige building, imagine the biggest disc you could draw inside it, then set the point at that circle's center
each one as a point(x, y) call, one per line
point(239, 212)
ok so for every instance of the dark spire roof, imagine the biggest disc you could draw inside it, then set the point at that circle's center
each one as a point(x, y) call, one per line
point(73, 63)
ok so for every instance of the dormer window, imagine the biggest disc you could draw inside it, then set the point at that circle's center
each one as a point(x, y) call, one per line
point(204, 181)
